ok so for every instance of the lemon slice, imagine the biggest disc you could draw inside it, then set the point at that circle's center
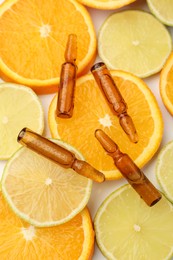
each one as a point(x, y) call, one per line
point(42, 192)
point(19, 107)
point(134, 41)
point(164, 170)
point(163, 10)
point(126, 228)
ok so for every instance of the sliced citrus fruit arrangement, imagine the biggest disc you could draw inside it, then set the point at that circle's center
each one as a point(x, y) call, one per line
point(163, 10)
point(91, 112)
point(164, 170)
point(106, 4)
point(126, 228)
point(166, 84)
point(36, 35)
point(19, 240)
point(126, 41)
point(19, 107)
point(42, 192)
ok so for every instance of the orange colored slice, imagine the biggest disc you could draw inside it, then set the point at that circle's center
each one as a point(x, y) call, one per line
point(33, 38)
point(166, 84)
point(91, 112)
point(19, 240)
point(106, 4)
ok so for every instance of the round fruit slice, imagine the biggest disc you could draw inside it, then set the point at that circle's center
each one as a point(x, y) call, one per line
point(19, 240)
point(166, 84)
point(42, 192)
point(134, 41)
point(106, 4)
point(163, 10)
point(36, 34)
point(164, 170)
point(92, 112)
point(126, 228)
point(19, 107)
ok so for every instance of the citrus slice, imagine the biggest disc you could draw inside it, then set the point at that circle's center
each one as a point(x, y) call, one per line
point(166, 84)
point(36, 35)
point(164, 170)
point(163, 10)
point(134, 41)
point(19, 107)
point(126, 228)
point(106, 4)
point(42, 192)
point(91, 112)
point(19, 240)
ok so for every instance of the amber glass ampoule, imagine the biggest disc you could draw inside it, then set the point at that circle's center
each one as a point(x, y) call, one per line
point(129, 170)
point(114, 99)
point(58, 154)
point(65, 102)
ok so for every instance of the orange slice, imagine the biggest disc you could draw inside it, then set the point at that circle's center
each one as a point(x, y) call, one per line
point(19, 240)
point(106, 4)
point(33, 38)
point(91, 112)
point(166, 84)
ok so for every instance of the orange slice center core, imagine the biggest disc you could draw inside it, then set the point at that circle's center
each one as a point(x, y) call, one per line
point(28, 233)
point(45, 30)
point(105, 121)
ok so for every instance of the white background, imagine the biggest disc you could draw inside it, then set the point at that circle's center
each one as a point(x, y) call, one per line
point(101, 191)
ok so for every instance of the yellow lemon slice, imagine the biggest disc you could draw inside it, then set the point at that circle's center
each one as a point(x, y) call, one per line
point(134, 41)
point(42, 192)
point(19, 107)
point(126, 228)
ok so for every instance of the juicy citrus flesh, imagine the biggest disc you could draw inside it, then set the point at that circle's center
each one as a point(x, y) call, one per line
point(126, 228)
point(164, 170)
point(19, 107)
point(163, 10)
point(92, 112)
point(166, 84)
point(126, 41)
point(19, 240)
point(106, 4)
point(42, 192)
point(36, 35)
